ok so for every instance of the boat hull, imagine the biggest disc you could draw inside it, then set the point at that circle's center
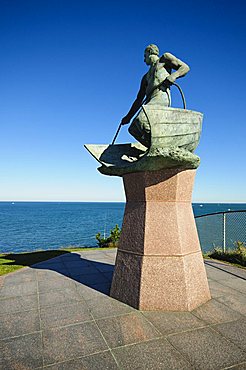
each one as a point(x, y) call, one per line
point(171, 127)
point(175, 134)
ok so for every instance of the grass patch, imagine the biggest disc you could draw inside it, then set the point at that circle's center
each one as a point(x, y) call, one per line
point(236, 256)
point(14, 261)
point(11, 262)
point(6, 265)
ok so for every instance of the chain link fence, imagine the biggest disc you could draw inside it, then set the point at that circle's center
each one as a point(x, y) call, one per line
point(221, 230)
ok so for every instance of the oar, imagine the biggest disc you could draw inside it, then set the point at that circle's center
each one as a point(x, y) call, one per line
point(117, 132)
point(144, 101)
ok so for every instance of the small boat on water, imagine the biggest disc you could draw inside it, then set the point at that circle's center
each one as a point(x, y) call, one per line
point(174, 135)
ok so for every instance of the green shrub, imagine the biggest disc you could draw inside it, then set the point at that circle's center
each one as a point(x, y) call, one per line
point(237, 255)
point(112, 240)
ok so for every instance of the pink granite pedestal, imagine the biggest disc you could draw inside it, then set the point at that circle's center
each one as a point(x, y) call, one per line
point(159, 264)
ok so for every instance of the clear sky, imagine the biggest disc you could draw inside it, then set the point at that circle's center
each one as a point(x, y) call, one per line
point(69, 71)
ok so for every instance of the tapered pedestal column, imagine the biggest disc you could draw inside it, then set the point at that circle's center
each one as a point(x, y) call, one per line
point(159, 264)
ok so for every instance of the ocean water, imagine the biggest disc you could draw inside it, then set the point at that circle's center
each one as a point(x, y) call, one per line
point(29, 226)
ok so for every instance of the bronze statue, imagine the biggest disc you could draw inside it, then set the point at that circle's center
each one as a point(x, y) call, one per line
point(167, 137)
point(154, 89)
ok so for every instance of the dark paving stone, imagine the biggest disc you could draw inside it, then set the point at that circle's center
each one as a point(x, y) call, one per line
point(55, 260)
point(70, 342)
point(219, 290)
point(112, 256)
point(16, 304)
point(127, 329)
point(105, 268)
point(23, 352)
point(108, 275)
point(94, 256)
point(82, 270)
point(54, 284)
point(57, 297)
point(239, 272)
point(15, 324)
point(50, 264)
point(98, 251)
point(91, 279)
point(93, 292)
point(235, 331)
point(64, 315)
point(112, 264)
point(153, 355)
point(173, 322)
point(236, 302)
point(99, 259)
point(15, 290)
point(100, 361)
point(237, 284)
point(206, 349)
point(50, 275)
point(216, 274)
point(111, 253)
point(56, 267)
point(82, 263)
point(105, 307)
point(98, 262)
point(20, 277)
point(103, 288)
point(215, 312)
point(70, 257)
point(1, 281)
point(75, 259)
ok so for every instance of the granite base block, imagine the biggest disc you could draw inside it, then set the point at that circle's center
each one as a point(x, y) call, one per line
point(160, 283)
point(159, 264)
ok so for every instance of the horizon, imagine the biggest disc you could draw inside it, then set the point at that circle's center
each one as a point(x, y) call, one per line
point(80, 201)
point(69, 74)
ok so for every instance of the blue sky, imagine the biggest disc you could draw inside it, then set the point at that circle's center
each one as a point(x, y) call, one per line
point(69, 72)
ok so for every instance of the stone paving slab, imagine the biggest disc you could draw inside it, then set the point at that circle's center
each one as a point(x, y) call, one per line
point(158, 355)
point(215, 312)
point(23, 352)
point(235, 301)
point(217, 289)
point(64, 314)
point(18, 304)
point(19, 290)
point(127, 329)
point(223, 266)
point(207, 349)
point(58, 315)
point(99, 361)
point(26, 275)
point(174, 322)
point(72, 341)
point(234, 331)
point(19, 323)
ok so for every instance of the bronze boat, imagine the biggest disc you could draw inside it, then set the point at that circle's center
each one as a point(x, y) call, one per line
point(175, 134)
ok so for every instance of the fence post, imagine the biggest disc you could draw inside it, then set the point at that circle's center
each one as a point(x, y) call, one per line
point(224, 231)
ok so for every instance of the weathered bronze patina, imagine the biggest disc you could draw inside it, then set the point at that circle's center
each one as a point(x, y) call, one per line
point(167, 137)
point(159, 264)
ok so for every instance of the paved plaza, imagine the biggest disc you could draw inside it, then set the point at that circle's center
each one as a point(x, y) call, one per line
point(58, 315)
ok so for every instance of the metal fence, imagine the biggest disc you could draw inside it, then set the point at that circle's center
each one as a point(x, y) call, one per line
point(222, 229)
